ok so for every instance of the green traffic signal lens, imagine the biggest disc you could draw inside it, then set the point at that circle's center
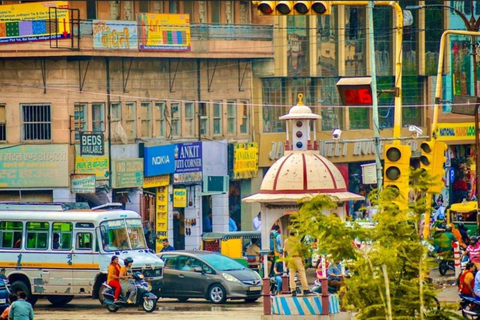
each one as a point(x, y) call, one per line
point(301, 8)
point(425, 147)
point(283, 8)
point(424, 160)
point(394, 154)
point(393, 173)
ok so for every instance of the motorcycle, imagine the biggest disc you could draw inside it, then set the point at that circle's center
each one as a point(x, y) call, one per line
point(470, 307)
point(446, 264)
point(145, 298)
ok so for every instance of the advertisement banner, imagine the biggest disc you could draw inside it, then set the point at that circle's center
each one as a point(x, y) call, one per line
point(179, 198)
point(115, 35)
point(97, 165)
point(164, 32)
point(159, 160)
point(83, 183)
point(30, 22)
point(456, 131)
point(245, 161)
point(188, 162)
point(162, 217)
point(34, 166)
point(156, 181)
point(92, 144)
point(127, 173)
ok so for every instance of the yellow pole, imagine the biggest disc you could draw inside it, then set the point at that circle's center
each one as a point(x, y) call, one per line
point(397, 125)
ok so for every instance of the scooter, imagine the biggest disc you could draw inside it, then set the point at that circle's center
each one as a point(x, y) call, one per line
point(470, 307)
point(145, 298)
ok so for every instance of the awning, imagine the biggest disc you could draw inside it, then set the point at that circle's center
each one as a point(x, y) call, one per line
point(284, 198)
point(231, 235)
point(95, 199)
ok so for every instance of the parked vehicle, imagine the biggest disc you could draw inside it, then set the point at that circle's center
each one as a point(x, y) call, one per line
point(470, 307)
point(466, 213)
point(145, 298)
point(4, 293)
point(209, 275)
point(58, 250)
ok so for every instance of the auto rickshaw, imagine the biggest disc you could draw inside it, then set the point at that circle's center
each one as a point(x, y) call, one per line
point(466, 213)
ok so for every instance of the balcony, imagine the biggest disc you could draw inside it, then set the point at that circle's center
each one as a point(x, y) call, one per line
point(206, 41)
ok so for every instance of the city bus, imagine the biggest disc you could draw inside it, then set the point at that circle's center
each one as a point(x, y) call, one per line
point(59, 250)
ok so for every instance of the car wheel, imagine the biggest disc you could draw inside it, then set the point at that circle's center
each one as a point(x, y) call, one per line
point(149, 305)
point(250, 300)
point(18, 286)
point(217, 294)
point(182, 299)
point(59, 301)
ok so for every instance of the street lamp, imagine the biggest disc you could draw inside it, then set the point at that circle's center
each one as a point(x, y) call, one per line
point(472, 25)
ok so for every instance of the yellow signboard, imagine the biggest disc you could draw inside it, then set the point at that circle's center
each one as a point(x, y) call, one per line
point(156, 181)
point(245, 160)
point(179, 198)
point(97, 165)
point(456, 131)
point(34, 21)
point(161, 231)
point(164, 32)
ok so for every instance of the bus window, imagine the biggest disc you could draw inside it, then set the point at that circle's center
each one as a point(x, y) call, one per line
point(63, 232)
point(37, 235)
point(10, 234)
point(84, 241)
point(135, 232)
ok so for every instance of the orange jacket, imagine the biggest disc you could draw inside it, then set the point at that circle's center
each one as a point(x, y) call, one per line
point(113, 272)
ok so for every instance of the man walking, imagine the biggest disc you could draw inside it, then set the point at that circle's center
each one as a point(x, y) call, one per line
point(21, 309)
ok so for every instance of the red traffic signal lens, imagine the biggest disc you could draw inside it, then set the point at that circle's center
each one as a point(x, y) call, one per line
point(301, 8)
point(394, 154)
point(392, 173)
point(283, 8)
point(265, 8)
point(319, 8)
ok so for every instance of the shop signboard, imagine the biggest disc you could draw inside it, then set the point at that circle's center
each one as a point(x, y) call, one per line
point(188, 162)
point(164, 32)
point(159, 160)
point(245, 161)
point(127, 173)
point(83, 183)
point(34, 21)
point(179, 198)
point(156, 181)
point(98, 165)
point(92, 144)
point(161, 230)
point(34, 166)
point(456, 131)
point(114, 35)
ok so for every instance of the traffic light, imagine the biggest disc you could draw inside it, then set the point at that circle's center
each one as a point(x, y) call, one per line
point(432, 160)
point(281, 8)
point(300, 136)
point(397, 171)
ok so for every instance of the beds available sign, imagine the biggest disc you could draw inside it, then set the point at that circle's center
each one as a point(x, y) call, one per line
point(92, 144)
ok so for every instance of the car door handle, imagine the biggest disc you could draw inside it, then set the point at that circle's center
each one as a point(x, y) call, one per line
point(181, 276)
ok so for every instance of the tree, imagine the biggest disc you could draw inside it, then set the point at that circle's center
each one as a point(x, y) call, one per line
point(389, 268)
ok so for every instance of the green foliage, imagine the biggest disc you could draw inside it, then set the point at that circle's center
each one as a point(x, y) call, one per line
point(394, 243)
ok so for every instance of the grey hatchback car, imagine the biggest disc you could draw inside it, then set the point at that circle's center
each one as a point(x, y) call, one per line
point(208, 275)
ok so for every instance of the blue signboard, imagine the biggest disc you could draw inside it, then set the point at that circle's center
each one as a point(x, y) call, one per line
point(159, 160)
point(188, 162)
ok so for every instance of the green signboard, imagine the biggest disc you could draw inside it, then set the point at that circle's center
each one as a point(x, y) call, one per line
point(34, 166)
point(127, 173)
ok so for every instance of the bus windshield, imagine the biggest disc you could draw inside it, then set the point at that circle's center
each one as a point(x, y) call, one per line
point(122, 235)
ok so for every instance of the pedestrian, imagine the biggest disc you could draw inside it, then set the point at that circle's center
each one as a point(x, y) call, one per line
point(166, 246)
point(56, 241)
point(466, 280)
point(207, 223)
point(257, 222)
point(295, 263)
point(21, 309)
point(232, 226)
point(335, 277)
point(113, 277)
point(279, 271)
point(276, 240)
point(11, 299)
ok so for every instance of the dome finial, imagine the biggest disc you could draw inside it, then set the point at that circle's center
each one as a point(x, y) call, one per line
point(300, 99)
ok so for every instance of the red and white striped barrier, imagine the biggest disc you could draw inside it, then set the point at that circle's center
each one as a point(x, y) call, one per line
point(456, 257)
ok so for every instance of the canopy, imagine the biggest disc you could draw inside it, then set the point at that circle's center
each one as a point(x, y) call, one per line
point(293, 198)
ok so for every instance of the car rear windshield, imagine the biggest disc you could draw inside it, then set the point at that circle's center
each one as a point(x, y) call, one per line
point(222, 263)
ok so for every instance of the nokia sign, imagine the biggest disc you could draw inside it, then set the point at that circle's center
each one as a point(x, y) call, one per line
point(159, 160)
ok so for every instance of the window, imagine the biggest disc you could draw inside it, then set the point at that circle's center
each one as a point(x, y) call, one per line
point(215, 11)
point(80, 118)
point(10, 234)
point(98, 117)
point(188, 8)
point(128, 9)
point(115, 10)
point(91, 10)
point(172, 6)
point(37, 122)
point(62, 236)
point(273, 98)
point(37, 235)
point(145, 118)
point(231, 117)
point(3, 123)
point(204, 126)
point(130, 124)
point(359, 118)
point(217, 118)
point(189, 119)
point(244, 121)
point(158, 6)
point(116, 112)
point(175, 118)
point(160, 112)
point(84, 241)
point(144, 6)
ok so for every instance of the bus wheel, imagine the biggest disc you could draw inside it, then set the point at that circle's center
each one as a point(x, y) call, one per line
point(59, 301)
point(18, 286)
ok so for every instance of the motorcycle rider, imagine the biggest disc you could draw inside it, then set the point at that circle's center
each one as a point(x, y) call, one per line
point(127, 282)
point(466, 281)
point(473, 251)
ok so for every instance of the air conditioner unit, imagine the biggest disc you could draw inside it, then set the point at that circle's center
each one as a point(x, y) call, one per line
point(215, 184)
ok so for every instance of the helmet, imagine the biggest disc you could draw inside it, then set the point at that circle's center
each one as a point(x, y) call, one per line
point(473, 239)
point(128, 260)
point(448, 228)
